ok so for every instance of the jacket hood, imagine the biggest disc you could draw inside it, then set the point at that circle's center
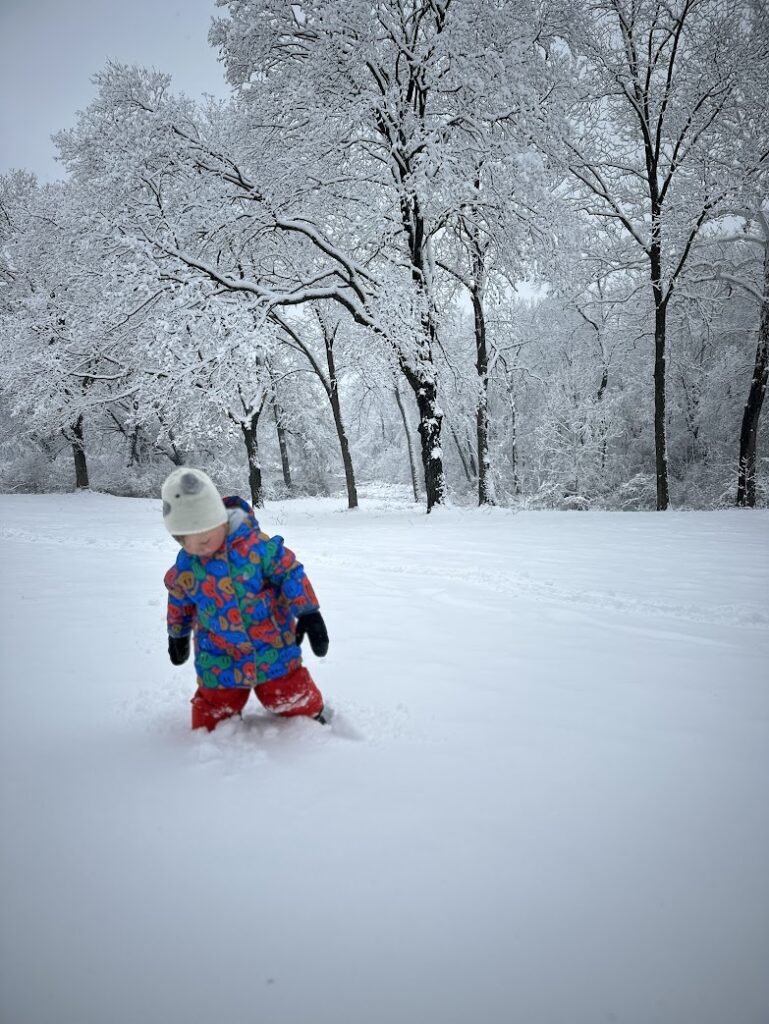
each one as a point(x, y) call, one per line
point(241, 515)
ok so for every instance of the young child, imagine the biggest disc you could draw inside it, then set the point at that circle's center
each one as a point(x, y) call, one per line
point(248, 601)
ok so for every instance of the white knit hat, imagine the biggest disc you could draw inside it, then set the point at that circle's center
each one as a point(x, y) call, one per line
point(191, 503)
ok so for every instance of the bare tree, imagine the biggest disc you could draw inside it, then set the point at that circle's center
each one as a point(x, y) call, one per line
point(329, 379)
point(662, 87)
point(746, 486)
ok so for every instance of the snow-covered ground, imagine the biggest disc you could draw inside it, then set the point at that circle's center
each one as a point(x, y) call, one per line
point(545, 798)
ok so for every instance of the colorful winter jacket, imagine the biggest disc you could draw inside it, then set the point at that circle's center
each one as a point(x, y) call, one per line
point(243, 603)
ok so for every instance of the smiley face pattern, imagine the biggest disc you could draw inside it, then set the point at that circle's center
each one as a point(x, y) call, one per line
point(242, 604)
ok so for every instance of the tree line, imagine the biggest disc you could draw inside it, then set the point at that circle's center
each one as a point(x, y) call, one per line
point(518, 250)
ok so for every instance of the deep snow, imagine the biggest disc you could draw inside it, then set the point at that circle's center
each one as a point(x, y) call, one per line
point(545, 798)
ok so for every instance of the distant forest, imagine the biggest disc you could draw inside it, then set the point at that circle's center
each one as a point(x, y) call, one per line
point(490, 252)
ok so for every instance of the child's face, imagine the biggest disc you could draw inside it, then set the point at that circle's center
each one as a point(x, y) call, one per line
point(206, 543)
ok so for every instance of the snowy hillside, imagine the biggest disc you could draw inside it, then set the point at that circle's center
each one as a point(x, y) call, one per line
point(545, 798)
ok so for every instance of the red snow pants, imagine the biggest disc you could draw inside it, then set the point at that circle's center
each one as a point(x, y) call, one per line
point(294, 694)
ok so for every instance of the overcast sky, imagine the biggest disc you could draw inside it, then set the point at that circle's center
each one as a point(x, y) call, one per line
point(49, 49)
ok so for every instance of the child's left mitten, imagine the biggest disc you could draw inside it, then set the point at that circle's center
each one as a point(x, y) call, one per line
point(313, 626)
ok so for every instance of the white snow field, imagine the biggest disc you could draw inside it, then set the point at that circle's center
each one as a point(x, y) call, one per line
point(544, 800)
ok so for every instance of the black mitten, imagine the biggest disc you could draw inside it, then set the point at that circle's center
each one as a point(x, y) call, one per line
point(178, 649)
point(313, 626)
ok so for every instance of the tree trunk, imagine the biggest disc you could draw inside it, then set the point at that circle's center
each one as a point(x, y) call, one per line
point(469, 476)
point(282, 444)
point(514, 440)
point(485, 489)
point(249, 430)
point(514, 456)
point(423, 382)
point(336, 408)
point(409, 443)
point(660, 370)
point(430, 422)
point(660, 433)
point(432, 455)
point(78, 452)
point(177, 455)
point(746, 483)
point(422, 375)
point(349, 472)
point(135, 442)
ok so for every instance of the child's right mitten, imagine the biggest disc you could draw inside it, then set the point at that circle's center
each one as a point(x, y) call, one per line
point(178, 649)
